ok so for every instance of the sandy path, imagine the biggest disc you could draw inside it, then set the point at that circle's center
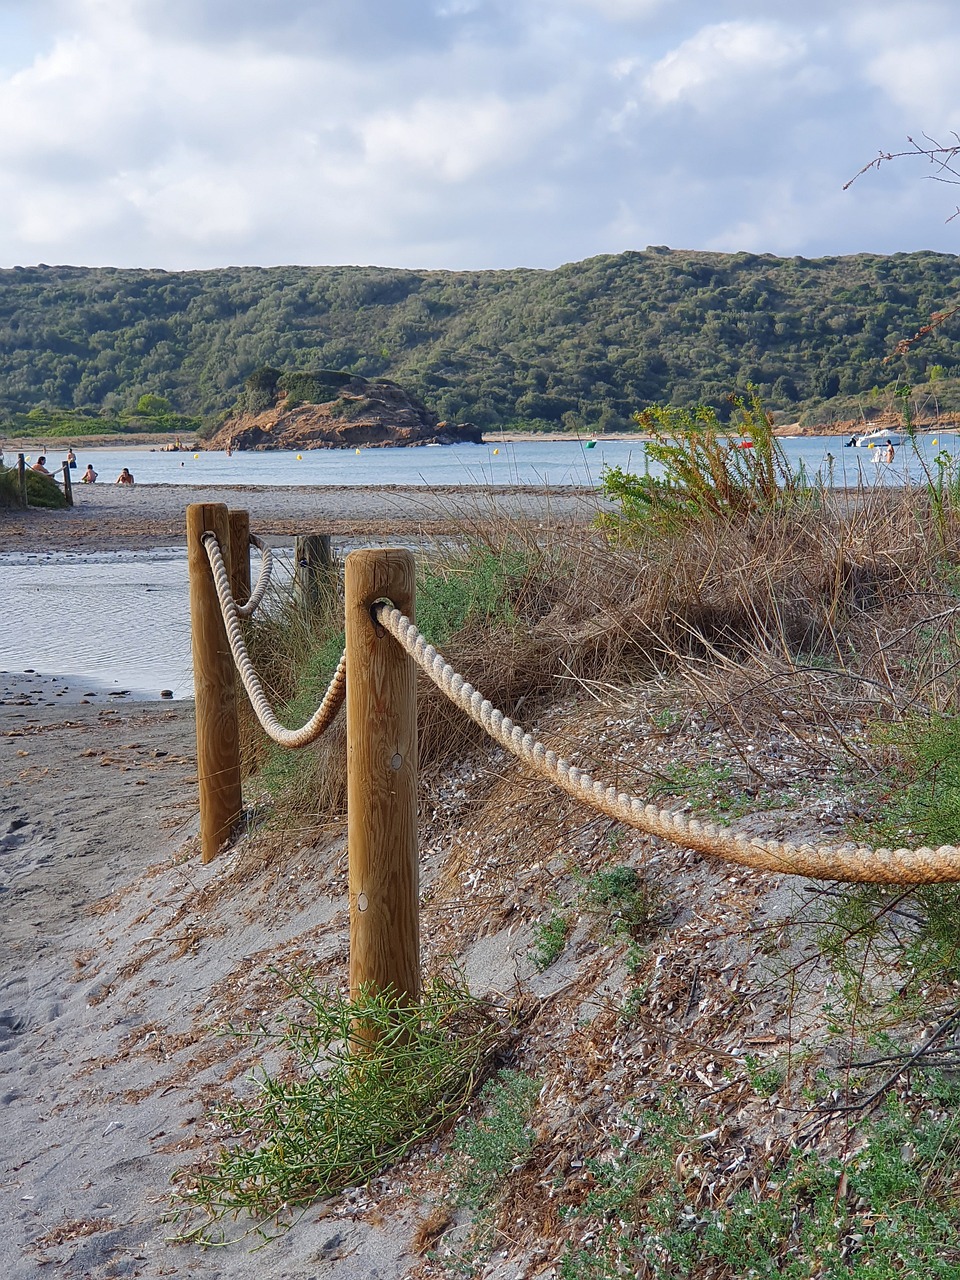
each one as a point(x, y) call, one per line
point(123, 958)
point(107, 516)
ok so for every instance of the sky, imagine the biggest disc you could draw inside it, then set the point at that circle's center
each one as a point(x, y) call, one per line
point(468, 134)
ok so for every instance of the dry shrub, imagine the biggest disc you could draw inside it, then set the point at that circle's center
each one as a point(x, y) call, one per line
point(789, 612)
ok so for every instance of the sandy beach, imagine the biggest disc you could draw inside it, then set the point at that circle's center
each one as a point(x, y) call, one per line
point(105, 517)
point(125, 956)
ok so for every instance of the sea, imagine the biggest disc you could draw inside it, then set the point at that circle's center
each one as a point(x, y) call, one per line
point(116, 624)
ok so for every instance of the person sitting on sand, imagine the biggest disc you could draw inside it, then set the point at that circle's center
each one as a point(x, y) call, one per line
point(124, 477)
point(41, 465)
point(89, 476)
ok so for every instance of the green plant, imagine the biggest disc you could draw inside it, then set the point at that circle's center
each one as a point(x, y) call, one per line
point(365, 1081)
point(705, 469)
point(708, 786)
point(765, 1077)
point(631, 903)
point(484, 1153)
point(473, 587)
point(549, 937)
point(486, 1150)
point(888, 1211)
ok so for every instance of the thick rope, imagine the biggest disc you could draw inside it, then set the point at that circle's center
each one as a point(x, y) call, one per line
point(848, 862)
point(332, 699)
point(263, 579)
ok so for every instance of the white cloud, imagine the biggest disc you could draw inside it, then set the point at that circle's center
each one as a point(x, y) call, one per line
point(461, 133)
point(719, 59)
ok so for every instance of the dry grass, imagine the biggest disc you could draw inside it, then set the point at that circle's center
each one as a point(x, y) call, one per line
point(801, 617)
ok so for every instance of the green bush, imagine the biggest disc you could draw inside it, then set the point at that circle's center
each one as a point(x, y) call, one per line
point(365, 1081)
point(709, 468)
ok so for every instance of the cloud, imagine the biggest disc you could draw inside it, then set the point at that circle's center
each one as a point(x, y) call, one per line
point(459, 133)
point(717, 59)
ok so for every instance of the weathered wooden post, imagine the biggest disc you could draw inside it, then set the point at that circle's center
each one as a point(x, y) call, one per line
point(313, 574)
point(218, 743)
point(240, 555)
point(381, 781)
point(67, 484)
point(22, 479)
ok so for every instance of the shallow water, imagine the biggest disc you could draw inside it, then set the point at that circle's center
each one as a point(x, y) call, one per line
point(120, 620)
point(567, 462)
point(111, 621)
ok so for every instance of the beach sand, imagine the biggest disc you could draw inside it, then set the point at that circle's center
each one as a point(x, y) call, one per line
point(107, 516)
point(124, 958)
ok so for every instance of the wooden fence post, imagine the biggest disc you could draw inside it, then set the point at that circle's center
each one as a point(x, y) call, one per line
point(22, 479)
point(240, 555)
point(313, 573)
point(218, 743)
point(67, 484)
point(381, 781)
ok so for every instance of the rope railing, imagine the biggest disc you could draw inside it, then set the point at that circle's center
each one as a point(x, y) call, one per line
point(263, 579)
point(332, 700)
point(847, 862)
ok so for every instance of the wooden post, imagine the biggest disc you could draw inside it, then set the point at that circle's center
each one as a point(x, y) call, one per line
point(314, 570)
point(240, 555)
point(22, 479)
point(381, 782)
point(218, 743)
point(67, 484)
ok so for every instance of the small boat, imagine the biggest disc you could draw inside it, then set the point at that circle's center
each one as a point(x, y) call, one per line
point(878, 438)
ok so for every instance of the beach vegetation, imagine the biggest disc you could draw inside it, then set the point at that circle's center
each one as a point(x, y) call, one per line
point(362, 1083)
point(42, 491)
point(885, 1209)
point(793, 666)
point(703, 467)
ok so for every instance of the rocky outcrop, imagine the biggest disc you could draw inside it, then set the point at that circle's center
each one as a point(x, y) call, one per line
point(374, 413)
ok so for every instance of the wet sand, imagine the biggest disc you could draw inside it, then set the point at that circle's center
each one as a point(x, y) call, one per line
point(108, 517)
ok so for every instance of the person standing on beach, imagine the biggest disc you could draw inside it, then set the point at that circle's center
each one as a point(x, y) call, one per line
point(41, 465)
point(124, 477)
point(889, 452)
point(71, 459)
point(89, 476)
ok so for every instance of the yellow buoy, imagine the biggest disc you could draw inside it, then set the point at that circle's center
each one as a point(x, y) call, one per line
point(496, 451)
point(934, 440)
point(356, 451)
point(871, 445)
point(196, 456)
point(299, 457)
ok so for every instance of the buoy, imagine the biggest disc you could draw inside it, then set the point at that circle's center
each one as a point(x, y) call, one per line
point(196, 456)
point(591, 444)
point(496, 451)
point(934, 440)
point(356, 451)
point(871, 445)
point(299, 457)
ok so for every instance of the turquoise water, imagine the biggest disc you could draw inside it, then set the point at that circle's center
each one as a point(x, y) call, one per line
point(533, 462)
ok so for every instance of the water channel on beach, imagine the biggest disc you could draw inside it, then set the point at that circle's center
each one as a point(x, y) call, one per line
point(118, 622)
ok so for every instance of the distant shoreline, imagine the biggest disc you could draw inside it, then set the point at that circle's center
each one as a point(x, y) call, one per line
point(159, 444)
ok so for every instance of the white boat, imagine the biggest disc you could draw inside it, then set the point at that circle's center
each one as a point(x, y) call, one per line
point(878, 438)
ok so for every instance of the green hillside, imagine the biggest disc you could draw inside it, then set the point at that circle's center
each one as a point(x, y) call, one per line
point(582, 346)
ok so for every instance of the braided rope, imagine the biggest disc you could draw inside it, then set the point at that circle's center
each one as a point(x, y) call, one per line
point(332, 699)
point(848, 862)
point(263, 580)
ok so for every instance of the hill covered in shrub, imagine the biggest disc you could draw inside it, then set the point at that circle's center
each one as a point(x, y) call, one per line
point(583, 346)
